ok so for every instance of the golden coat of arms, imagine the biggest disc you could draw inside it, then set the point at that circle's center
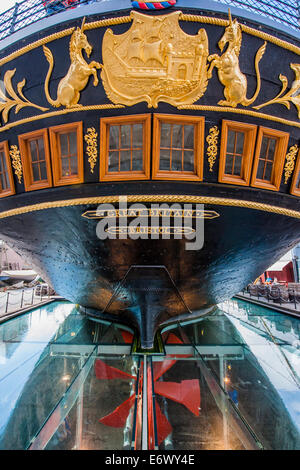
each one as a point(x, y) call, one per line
point(154, 61)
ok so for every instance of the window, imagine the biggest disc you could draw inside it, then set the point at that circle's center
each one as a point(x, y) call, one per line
point(269, 158)
point(236, 152)
point(125, 148)
point(178, 147)
point(295, 186)
point(6, 177)
point(67, 153)
point(35, 155)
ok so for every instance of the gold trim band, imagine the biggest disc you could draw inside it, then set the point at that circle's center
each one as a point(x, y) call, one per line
point(57, 113)
point(227, 109)
point(152, 198)
point(195, 107)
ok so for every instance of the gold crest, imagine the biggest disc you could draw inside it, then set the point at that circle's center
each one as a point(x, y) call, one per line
point(154, 61)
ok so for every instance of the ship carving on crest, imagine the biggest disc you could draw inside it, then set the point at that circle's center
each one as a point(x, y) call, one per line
point(155, 61)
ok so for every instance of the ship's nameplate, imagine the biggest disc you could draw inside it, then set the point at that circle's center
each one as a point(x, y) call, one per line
point(154, 61)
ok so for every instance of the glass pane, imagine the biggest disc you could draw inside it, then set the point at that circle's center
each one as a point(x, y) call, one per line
point(137, 135)
point(65, 168)
point(189, 137)
point(164, 162)
point(125, 136)
point(114, 137)
point(41, 148)
point(228, 164)
point(176, 160)
point(2, 162)
point(240, 142)
point(113, 161)
point(237, 166)
point(4, 181)
point(73, 143)
point(165, 135)
point(260, 169)
point(73, 165)
point(268, 172)
point(268, 148)
point(35, 172)
point(298, 180)
point(137, 160)
point(177, 136)
point(43, 170)
point(33, 150)
point(64, 148)
point(188, 160)
point(125, 160)
point(230, 141)
point(272, 149)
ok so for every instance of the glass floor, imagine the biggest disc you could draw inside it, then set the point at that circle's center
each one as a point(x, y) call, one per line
point(229, 381)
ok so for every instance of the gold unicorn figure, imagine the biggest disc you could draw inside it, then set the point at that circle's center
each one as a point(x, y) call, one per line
point(69, 88)
point(229, 73)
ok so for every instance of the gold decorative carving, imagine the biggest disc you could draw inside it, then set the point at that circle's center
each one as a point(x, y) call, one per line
point(154, 61)
point(69, 88)
point(91, 149)
point(229, 73)
point(19, 102)
point(292, 96)
point(212, 149)
point(180, 198)
point(290, 162)
point(16, 162)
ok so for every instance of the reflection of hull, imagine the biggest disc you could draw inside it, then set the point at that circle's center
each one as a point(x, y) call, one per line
point(148, 283)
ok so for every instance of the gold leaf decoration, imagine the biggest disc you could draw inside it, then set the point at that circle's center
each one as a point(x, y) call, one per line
point(19, 102)
point(16, 162)
point(290, 162)
point(91, 149)
point(212, 149)
point(292, 96)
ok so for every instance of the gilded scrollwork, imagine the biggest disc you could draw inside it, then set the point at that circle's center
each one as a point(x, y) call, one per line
point(290, 162)
point(69, 88)
point(292, 96)
point(212, 149)
point(15, 99)
point(16, 162)
point(91, 149)
point(229, 73)
point(155, 60)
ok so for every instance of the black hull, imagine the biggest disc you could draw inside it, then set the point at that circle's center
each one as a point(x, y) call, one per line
point(148, 283)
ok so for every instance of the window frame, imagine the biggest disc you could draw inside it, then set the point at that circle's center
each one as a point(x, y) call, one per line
point(279, 158)
point(29, 183)
point(249, 131)
point(105, 123)
point(293, 189)
point(5, 149)
point(58, 179)
point(199, 126)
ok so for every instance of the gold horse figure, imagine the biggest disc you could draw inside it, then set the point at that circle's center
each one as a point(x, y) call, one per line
point(229, 73)
point(69, 88)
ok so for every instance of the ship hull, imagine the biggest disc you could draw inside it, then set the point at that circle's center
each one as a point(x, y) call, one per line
point(148, 283)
